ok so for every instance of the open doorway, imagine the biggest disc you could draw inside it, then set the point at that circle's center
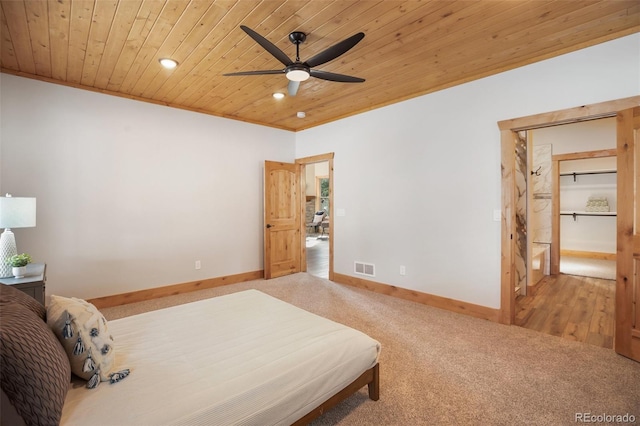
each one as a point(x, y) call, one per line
point(317, 214)
point(571, 196)
point(627, 113)
point(317, 218)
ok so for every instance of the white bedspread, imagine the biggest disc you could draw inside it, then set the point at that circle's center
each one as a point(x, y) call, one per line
point(241, 359)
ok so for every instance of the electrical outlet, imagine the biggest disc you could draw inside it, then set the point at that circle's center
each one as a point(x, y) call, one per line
point(198, 264)
point(403, 270)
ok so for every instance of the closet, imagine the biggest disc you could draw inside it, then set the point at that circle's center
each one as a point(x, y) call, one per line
point(587, 201)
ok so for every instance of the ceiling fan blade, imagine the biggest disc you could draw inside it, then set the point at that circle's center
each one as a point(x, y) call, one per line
point(334, 51)
point(292, 88)
point(257, 72)
point(341, 78)
point(268, 46)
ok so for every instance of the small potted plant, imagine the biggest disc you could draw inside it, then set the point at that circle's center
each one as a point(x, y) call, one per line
point(19, 264)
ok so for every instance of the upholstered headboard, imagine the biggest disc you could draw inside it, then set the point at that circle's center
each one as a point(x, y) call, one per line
point(35, 373)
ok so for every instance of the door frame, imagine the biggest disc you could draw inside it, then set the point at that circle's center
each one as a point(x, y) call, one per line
point(508, 129)
point(328, 157)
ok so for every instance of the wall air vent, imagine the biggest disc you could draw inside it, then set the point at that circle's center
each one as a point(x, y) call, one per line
point(363, 268)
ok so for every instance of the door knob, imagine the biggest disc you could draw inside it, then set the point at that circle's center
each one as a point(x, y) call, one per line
point(268, 226)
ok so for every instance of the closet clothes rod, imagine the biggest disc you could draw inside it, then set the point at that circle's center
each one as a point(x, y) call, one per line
point(576, 214)
point(574, 174)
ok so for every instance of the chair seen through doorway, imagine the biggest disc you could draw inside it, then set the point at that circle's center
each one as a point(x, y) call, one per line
point(317, 223)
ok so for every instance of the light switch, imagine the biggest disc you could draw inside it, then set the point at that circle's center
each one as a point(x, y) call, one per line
point(341, 212)
point(497, 215)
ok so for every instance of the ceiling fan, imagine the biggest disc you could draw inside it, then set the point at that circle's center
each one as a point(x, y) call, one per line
point(297, 71)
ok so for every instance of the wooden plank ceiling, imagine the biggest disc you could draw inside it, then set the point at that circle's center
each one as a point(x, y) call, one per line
point(411, 48)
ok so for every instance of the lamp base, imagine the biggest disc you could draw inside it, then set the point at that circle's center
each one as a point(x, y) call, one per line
point(7, 249)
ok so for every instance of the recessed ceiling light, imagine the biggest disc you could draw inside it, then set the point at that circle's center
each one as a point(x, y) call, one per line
point(301, 114)
point(168, 63)
point(278, 95)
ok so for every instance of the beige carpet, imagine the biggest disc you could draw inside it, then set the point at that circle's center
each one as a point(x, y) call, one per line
point(442, 368)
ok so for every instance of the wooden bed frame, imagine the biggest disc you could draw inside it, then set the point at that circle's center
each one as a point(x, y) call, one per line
point(371, 378)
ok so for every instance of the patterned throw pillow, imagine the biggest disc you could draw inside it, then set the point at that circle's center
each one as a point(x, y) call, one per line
point(85, 336)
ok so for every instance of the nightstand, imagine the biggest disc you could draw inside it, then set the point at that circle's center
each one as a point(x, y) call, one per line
point(32, 283)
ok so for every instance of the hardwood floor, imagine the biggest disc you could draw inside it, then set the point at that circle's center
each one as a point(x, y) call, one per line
point(318, 256)
point(572, 307)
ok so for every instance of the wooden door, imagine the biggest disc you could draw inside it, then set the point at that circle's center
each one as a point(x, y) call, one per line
point(627, 334)
point(281, 219)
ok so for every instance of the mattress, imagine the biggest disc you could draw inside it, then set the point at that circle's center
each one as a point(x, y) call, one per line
point(242, 359)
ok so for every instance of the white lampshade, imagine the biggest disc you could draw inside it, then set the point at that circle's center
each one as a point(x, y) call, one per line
point(17, 212)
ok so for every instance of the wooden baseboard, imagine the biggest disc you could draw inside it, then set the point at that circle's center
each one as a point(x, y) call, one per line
point(453, 305)
point(588, 254)
point(170, 290)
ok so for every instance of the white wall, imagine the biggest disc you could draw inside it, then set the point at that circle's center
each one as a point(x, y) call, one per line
point(419, 180)
point(130, 194)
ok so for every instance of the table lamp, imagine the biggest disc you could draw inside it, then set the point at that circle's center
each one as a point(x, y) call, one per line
point(15, 212)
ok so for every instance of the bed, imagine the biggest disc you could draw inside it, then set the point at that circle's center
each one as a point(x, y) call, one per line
point(242, 359)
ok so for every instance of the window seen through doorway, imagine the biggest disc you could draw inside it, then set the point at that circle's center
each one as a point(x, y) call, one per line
point(322, 193)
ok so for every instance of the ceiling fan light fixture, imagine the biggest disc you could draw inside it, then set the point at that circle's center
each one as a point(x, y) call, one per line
point(168, 63)
point(278, 95)
point(297, 74)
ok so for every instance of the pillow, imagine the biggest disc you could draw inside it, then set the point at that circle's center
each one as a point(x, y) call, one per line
point(35, 373)
point(10, 294)
point(84, 334)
